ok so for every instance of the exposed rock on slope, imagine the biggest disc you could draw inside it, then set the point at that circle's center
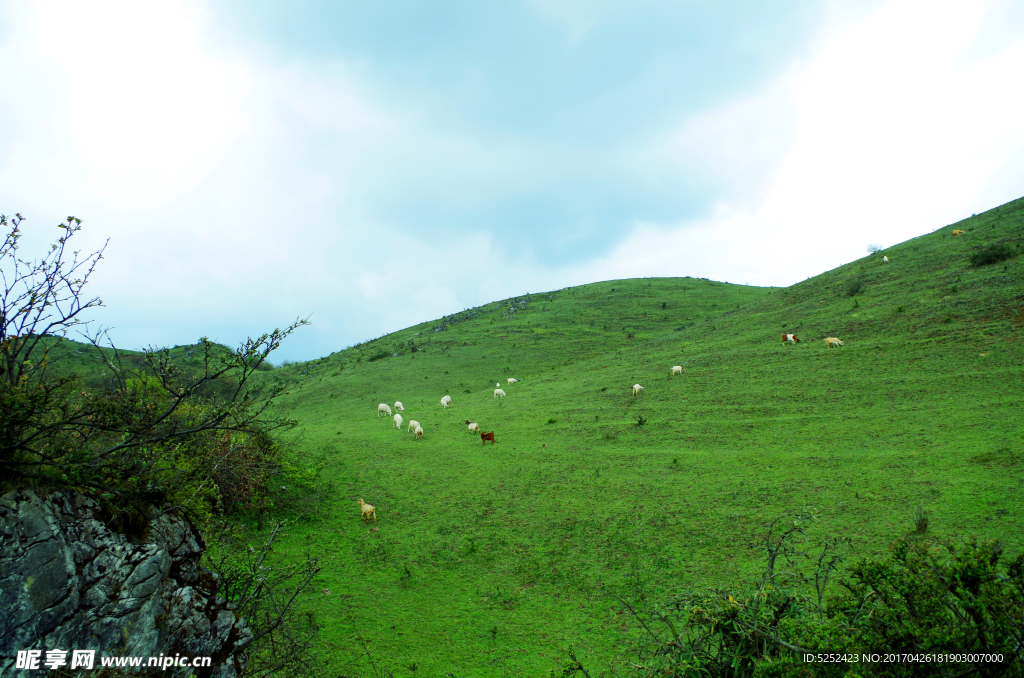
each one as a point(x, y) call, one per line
point(68, 582)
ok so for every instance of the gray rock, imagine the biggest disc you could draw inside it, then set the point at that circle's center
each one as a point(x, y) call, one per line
point(68, 582)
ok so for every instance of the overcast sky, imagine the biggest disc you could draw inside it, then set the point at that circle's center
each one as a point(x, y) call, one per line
point(372, 165)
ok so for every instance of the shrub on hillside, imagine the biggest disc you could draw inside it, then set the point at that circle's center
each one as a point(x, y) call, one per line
point(854, 288)
point(926, 597)
point(939, 597)
point(992, 254)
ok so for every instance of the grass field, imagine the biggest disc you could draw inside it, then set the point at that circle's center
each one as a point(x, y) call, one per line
point(490, 560)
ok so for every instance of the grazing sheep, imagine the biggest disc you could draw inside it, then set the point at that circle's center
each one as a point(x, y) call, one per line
point(383, 409)
point(511, 380)
point(791, 338)
point(885, 259)
point(498, 393)
point(398, 421)
point(832, 341)
point(957, 232)
point(399, 406)
point(677, 369)
point(497, 386)
point(419, 432)
point(446, 401)
point(637, 388)
point(413, 425)
point(473, 426)
point(367, 511)
point(484, 437)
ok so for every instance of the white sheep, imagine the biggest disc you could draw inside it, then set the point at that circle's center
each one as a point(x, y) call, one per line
point(446, 401)
point(398, 421)
point(419, 432)
point(498, 393)
point(383, 409)
point(512, 380)
point(637, 388)
point(677, 369)
point(832, 341)
point(497, 386)
point(399, 406)
point(413, 425)
point(885, 259)
point(473, 426)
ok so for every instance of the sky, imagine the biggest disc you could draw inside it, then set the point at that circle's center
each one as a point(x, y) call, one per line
point(370, 166)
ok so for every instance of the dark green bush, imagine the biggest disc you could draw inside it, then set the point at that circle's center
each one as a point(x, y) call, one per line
point(939, 597)
point(992, 254)
point(854, 288)
point(925, 597)
point(921, 520)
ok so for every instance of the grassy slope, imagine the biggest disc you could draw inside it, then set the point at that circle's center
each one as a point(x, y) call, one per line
point(489, 560)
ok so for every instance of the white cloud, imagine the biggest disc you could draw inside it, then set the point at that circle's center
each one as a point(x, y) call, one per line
point(150, 111)
point(893, 134)
point(578, 16)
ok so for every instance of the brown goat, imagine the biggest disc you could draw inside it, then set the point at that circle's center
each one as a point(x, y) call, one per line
point(484, 437)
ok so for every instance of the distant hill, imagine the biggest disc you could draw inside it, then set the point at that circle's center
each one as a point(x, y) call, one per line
point(89, 363)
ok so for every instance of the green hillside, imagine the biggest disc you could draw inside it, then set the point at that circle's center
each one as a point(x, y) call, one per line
point(93, 366)
point(490, 560)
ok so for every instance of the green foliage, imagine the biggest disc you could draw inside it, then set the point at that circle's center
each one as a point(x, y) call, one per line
point(925, 598)
point(570, 669)
point(992, 254)
point(267, 591)
point(937, 597)
point(854, 287)
point(164, 427)
point(921, 520)
point(729, 633)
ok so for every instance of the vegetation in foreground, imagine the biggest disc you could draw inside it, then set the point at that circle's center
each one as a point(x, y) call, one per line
point(144, 432)
point(493, 561)
point(954, 607)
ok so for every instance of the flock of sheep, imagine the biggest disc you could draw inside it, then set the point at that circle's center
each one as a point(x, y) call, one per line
point(383, 409)
point(368, 510)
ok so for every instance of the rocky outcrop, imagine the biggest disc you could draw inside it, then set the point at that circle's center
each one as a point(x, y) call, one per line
point(68, 582)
